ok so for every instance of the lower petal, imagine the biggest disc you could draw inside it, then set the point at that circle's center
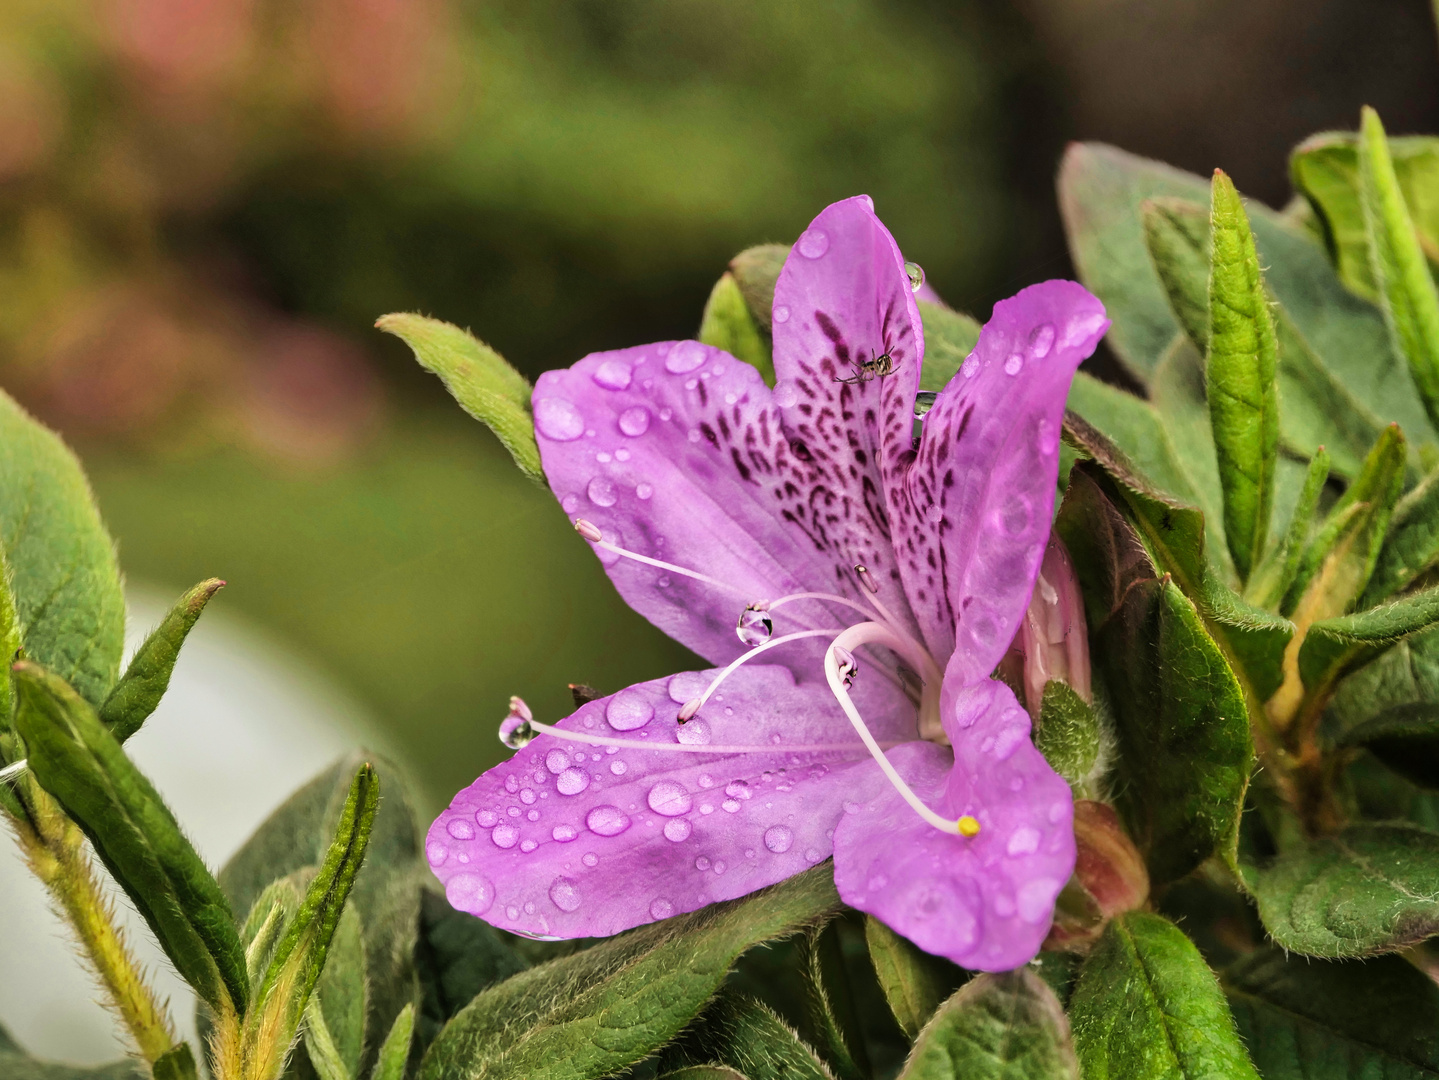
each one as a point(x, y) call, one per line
point(984, 902)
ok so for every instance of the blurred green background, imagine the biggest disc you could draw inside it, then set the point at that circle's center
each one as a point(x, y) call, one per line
point(204, 205)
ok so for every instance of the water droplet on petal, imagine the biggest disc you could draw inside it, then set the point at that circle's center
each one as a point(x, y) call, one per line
point(572, 781)
point(460, 829)
point(437, 853)
point(1023, 841)
point(813, 243)
point(1041, 340)
point(505, 836)
point(916, 276)
point(721, 866)
point(934, 513)
point(755, 626)
point(778, 838)
point(971, 367)
point(786, 396)
point(813, 855)
point(644, 491)
point(557, 419)
point(487, 818)
point(780, 313)
point(1035, 900)
point(563, 834)
point(607, 821)
point(693, 732)
point(619, 768)
point(516, 732)
point(686, 686)
point(660, 908)
point(669, 799)
point(1013, 364)
point(528, 846)
point(1015, 516)
point(703, 863)
point(730, 806)
point(527, 796)
point(1058, 812)
point(570, 503)
point(629, 710)
point(678, 829)
point(565, 894)
point(590, 859)
point(470, 892)
point(738, 789)
point(613, 374)
point(557, 761)
point(635, 421)
point(602, 491)
point(685, 356)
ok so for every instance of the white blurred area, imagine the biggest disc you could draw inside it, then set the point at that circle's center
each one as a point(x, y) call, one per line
point(243, 725)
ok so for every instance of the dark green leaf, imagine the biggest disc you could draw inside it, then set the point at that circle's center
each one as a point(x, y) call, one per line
point(148, 676)
point(1308, 1019)
point(997, 1027)
point(1274, 579)
point(325, 1058)
point(1406, 738)
point(704, 1072)
point(1411, 544)
point(458, 955)
point(395, 1050)
point(914, 982)
point(1147, 1005)
point(1369, 889)
point(1243, 356)
point(949, 338)
point(64, 579)
point(1401, 275)
point(479, 378)
point(755, 271)
point(832, 1013)
point(1068, 732)
point(1334, 646)
point(740, 1033)
point(600, 1010)
point(177, 1063)
point(728, 324)
point(76, 759)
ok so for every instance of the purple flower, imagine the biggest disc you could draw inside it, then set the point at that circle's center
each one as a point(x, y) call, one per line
point(855, 594)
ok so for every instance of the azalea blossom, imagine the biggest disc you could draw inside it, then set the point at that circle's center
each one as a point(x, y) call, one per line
point(855, 574)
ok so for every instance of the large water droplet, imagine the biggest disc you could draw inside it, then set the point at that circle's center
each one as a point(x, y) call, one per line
point(437, 853)
point(686, 686)
point(602, 491)
point(916, 276)
point(1041, 340)
point(778, 838)
point(970, 368)
point(660, 908)
point(635, 421)
point(528, 846)
point(565, 894)
point(556, 418)
point(669, 799)
point(678, 829)
point(527, 796)
point(755, 626)
point(685, 356)
point(572, 781)
point(786, 394)
point(730, 806)
point(628, 710)
point(563, 834)
point(487, 819)
point(738, 789)
point(460, 829)
point(693, 732)
point(505, 836)
point(780, 313)
point(813, 243)
point(516, 732)
point(1023, 841)
point(1013, 364)
point(607, 821)
point(613, 374)
point(470, 892)
point(557, 761)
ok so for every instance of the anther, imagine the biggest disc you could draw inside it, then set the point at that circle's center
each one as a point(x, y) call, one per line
point(867, 580)
point(589, 530)
point(968, 826)
point(688, 710)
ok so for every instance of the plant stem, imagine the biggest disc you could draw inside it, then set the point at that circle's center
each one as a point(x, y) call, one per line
point(54, 848)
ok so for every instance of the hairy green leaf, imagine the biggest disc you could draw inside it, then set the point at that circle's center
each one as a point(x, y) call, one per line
point(704, 1072)
point(1411, 543)
point(997, 1027)
point(1367, 890)
point(1306, 1019)
point(1068, 732)
point(1336, 646)
point(1176, 232)
point(755, 271)
point(76, 759)
point(914, 982)
point(1147, 1005)
point(1276, 576)
point(457, 957)
point(728, 324)
point(325, 1057)
point(177, 1063)
point(597, 1011)
point(63, 579)
point(739, 1032)
point(395, 1050)
point(949, 338)
point(341, 995)
point(832, 1014)
point(479, 378)
point(147, 678)
point(1406, 738)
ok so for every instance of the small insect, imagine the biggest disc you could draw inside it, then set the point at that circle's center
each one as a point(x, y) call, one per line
point(876, 367)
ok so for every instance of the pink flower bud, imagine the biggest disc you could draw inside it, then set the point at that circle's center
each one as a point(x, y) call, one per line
point(1110, 878)
point(1052, 642)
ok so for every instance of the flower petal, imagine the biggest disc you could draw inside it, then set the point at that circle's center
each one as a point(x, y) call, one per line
point(572, 840)
point(972, 514)
point(986, 903)
point(844, 299)
point(675, 452)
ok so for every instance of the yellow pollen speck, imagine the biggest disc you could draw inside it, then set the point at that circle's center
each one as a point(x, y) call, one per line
point(968, 826)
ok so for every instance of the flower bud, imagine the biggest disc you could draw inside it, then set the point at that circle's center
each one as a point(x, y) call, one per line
point(1109, 879)
point(1052, 642)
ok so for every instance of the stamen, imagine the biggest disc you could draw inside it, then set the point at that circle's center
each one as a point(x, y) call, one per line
point(701, 748)
point(867, 580)
point(696, 704)
point(591, 532)
point(873, 633)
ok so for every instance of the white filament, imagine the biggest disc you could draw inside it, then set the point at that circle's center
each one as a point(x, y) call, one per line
point(698, 748)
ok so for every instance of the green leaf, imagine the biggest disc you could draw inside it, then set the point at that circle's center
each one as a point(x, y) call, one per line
point(395, 1050)
point(1275, 578)
point(1336, 646)
point(63, 577)
point(914, 982)
point(1406, 738)
point(479, 378)
point(1369, 889)
point(1406, 291)
point(704, 1072)
point(75, 758)
point(177, 1063)
point(597, 1011)
point(997, 1027)
point(744, 1034)
point(755, 271)
point(1307, 1019)
point(458, 956)
point(728, 324)
point(341, 995)
point(949, 338)
point(1147, 1005)
point(832, 1013)
point(1176, 232)
point(1183, 730)
point(148, 677)
point(1411, 543)
point(1068, 732)
point(1243, 357)
point(325, 1057)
